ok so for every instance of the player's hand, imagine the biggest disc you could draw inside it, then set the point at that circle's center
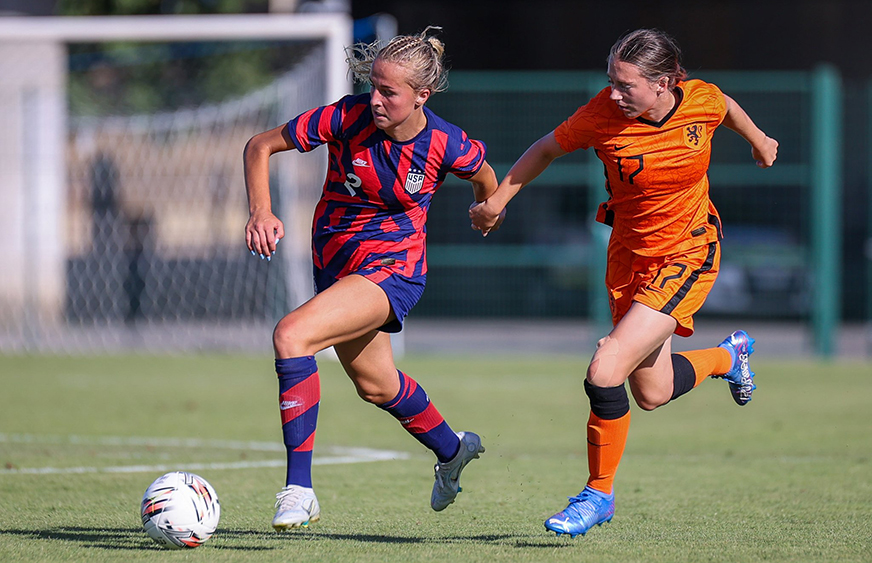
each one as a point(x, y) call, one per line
point(484, 218)
point(766, 153)
point(262, 232)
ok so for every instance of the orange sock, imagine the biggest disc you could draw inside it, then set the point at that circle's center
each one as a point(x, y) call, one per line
point(605, 447)
point(712, 361)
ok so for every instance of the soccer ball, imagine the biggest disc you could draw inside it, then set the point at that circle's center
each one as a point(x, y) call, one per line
point(180, 510)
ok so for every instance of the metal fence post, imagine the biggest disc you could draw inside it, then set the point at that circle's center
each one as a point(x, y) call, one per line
point(600, 316)
point(867, 248)
point(826, 199)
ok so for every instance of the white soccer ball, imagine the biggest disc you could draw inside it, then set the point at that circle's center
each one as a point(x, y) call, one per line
point(180, 510)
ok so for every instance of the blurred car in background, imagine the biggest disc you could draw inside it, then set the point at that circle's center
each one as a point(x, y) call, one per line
point(765, 272)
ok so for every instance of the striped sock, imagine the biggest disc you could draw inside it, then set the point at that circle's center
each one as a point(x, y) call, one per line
point(412, 407)
point(299, 397)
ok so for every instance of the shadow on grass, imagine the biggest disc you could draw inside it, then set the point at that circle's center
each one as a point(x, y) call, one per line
point(134, 539)
point(121, 539)
point(514, 540)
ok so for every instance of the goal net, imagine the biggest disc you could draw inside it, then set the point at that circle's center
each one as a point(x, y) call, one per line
point(145, 248)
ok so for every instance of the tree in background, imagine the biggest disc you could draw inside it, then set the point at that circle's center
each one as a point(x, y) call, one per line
point(129, 78)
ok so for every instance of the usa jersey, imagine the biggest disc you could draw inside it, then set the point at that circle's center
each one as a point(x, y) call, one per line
point(373, 208)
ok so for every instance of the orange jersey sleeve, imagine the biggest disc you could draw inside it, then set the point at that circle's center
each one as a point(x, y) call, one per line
point(656, 173)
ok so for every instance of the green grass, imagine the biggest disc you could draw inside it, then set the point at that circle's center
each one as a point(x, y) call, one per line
point(787, 478)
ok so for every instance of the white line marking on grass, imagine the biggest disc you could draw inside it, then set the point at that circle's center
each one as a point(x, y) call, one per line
point(329, 455)
point(77, 440)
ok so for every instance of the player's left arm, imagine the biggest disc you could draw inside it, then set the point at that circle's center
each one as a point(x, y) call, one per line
point(764, 149)
point(484, 184)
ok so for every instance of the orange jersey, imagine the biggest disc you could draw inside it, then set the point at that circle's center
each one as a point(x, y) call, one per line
point(656, 173)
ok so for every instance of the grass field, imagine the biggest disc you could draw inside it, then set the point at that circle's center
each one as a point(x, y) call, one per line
point(787, 478)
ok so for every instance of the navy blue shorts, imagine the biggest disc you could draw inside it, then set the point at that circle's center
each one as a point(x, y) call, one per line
point(402, 294)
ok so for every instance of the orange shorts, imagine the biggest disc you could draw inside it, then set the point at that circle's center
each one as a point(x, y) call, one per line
point(676, 285)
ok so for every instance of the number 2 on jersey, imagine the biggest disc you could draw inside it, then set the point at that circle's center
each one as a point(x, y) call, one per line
point(352, 181)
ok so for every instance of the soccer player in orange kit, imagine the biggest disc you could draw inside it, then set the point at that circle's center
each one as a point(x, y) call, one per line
point(652, 129)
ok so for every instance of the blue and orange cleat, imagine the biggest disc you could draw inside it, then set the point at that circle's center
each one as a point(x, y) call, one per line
point(741, 378)
point(590, 508)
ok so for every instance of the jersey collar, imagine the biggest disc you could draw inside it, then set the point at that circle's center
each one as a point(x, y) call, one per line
point(679, 96)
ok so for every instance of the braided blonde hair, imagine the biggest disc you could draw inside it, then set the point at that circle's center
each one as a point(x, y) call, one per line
point(421, 55)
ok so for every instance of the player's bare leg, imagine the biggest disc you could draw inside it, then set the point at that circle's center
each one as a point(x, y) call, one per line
point(637, 340)
point(368, 361)
point(637, 345)
point(348, 309)
point(352, 307)
point(651, 383)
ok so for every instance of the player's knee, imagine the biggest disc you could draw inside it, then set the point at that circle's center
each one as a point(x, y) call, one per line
point(603, 368)
point(372, 393)
point(289, 339)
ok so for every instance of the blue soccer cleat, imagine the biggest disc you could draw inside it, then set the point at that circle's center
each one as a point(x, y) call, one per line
point(590, 508)
point(741, 378)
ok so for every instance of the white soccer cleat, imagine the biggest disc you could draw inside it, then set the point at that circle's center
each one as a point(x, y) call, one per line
point(296, 507)
point(447, 483)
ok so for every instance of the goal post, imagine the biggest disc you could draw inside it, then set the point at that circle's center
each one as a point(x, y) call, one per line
point(335, 29)
point(52, 164)
point(32, 132)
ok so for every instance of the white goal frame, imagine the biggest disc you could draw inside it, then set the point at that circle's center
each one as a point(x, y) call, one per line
point(34, 127)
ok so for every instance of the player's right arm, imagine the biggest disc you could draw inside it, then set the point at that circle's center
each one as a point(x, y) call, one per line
point(263, 229)
point(532, 163)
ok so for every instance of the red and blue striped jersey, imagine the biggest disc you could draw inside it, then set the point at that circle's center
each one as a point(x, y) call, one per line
point(373, 208)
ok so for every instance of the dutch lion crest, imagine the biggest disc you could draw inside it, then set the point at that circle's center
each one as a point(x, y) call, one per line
point(694, 135)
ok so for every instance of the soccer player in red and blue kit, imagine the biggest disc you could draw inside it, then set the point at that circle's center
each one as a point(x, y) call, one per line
point(388, 154)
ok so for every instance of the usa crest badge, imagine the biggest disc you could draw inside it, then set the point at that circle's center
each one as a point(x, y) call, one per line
point(414, 181)
point(694, 135)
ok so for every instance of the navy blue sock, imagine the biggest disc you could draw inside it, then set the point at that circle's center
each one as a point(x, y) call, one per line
point(299, 398)
point(412, 407)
